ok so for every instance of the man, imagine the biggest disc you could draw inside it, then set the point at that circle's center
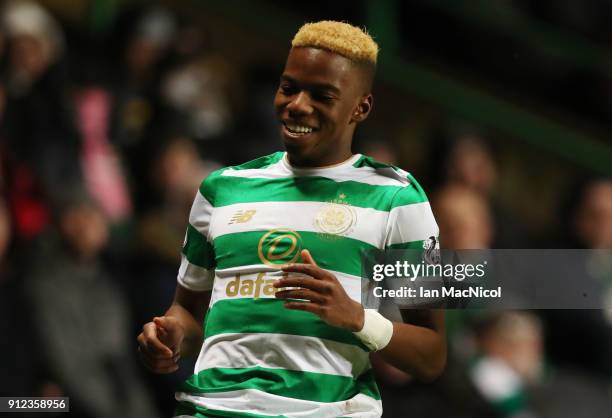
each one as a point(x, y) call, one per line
point(277, 241)
point(68, 290)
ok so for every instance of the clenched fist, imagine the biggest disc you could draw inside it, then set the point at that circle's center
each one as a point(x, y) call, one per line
point(159, 344)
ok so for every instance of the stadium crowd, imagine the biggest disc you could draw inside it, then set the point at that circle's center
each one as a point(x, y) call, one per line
point(100, 157)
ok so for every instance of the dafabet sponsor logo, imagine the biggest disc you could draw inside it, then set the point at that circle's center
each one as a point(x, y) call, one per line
point(254, 288)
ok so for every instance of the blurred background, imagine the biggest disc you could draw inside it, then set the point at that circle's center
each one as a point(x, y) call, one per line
point(113, 111)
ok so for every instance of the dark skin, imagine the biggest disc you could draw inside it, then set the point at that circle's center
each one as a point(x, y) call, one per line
point(417, 347)
point(328, 93)
point(178, 333)
point(321, 98)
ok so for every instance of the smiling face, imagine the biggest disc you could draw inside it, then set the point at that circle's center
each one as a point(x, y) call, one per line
point(321, 98)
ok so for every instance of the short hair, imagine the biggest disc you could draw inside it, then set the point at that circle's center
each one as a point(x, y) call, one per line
point(341, 38)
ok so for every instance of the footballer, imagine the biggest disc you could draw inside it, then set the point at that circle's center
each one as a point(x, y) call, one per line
point(269, 288)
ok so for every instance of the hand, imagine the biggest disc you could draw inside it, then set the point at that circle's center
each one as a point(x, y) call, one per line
point(324, 295)
point(159, 344)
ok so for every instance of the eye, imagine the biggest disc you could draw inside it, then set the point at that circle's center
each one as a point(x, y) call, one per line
point(287, 88)
point(323, 97)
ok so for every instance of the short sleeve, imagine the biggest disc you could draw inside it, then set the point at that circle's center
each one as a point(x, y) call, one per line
point(411, 223)
point(411, 226)
point(197, 270)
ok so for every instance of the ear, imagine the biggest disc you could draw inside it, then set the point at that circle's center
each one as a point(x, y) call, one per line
point(363, 108)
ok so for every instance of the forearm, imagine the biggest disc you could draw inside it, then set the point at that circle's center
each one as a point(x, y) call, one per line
point(192, 327)
point(189, 308)
point(417, 347)
point(416, 350)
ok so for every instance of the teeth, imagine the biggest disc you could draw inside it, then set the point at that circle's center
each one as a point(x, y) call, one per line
point(298, 128)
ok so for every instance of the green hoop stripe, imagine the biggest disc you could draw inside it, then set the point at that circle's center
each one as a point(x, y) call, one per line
point(237, 316)
point(307, 386)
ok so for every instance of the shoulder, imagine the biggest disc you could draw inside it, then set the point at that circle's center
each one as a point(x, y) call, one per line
point(407, 188)
point(209, 184)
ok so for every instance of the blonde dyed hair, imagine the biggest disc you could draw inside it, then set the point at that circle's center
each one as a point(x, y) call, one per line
point(338, 37)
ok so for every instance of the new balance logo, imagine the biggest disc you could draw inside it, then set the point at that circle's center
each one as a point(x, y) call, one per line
point(242, 216)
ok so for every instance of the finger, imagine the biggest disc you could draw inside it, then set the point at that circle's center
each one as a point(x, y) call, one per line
point(155, 363)
point(307, 257)
point(140, 340)
point(142, 348)
point(304, 306)
point(163, 322)
point(157, 356)
point(300, 294)
point(307, 269)
point(170, 325)
point(151, 343)
point(300, 281)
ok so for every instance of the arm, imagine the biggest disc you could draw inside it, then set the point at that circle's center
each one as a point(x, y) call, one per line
point(189, 309)
point(176, 334)
point(417, 347)
point(179, 332)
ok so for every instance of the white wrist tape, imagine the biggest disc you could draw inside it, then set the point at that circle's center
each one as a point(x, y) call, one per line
point(376, 332)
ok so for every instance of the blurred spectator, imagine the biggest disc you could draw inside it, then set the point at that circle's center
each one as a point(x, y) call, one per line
point(509, 372)
point(197, 90)
point(204, 93)
point(176, 174)
point(36, 42)
point(379, 150)
point(137, 112)
point(588, 220)
point(41, 141)
point(462, 155)
point(510, 358)
point(464, 218)
point(102, 170)
point(82, 318)
point(592, 218)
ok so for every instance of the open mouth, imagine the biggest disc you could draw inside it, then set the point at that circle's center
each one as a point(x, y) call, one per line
point(295, 130)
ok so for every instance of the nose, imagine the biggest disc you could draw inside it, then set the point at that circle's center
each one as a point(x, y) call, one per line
point(300, 104)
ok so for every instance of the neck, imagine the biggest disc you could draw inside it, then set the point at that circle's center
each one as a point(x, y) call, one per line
point(301, 161)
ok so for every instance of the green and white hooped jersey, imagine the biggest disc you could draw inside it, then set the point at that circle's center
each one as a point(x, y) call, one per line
point(258, 358)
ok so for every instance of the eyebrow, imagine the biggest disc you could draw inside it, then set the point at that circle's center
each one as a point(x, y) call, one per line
point(319, 86)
